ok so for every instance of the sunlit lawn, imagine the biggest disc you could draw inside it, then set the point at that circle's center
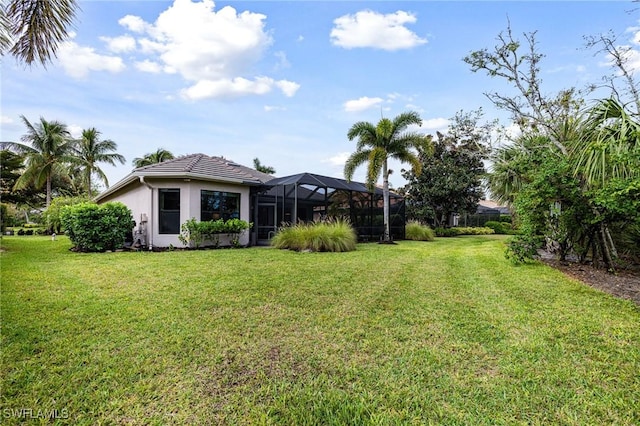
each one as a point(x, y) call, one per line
point(443, 332)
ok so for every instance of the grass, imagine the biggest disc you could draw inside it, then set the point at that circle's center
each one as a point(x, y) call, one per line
point(441, 333)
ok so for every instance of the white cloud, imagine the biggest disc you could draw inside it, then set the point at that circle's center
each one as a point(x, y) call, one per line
point(361, 104)
point(337, 160)
point(635, 34)
point(237, 87)
point(289, 88)
point(75, 130)
point(148, 66)
point(283, 62)
point(120, 44)
point(269, 108)
point(134, 23)
point(228, 88)
point(151, 47)
point(371, 29)
point(6, 119)
point(213, 50)
point(435, 124)
point(78, 60)
point(630, 56)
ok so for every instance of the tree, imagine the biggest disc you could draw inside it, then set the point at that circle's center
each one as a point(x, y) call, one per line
point(91, 150)
point(376, 144)
point(531, 110)
point(31, 30)
point(451, 177)
point(620, 58)
point(159, 156)
point(572, 175)
point(262, 168)
point(11, 168)
point(47, 147)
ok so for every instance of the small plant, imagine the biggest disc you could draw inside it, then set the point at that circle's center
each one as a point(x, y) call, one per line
point(191, 233)
point(523, 249)
point(416, 231)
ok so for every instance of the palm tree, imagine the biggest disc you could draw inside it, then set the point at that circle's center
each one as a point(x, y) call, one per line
point(91, 150)
point(47, 146)
point(32, 29)
point(153, 158)
point(610, 144)
point(262, 168)
point(377, 144)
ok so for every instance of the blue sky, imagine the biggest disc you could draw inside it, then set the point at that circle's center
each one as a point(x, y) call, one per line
point(284, 81)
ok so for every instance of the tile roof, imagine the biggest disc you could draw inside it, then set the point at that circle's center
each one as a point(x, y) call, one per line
point(204, 166)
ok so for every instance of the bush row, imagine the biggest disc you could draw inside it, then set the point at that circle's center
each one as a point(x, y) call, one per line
point(194, 233)
point(97, 228)
point(335, 235)
point(468, 230)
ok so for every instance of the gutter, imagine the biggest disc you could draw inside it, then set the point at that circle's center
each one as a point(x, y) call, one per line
point(151, 217)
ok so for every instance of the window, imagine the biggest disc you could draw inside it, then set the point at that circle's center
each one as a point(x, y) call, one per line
point(169, 214)
point(216, 205)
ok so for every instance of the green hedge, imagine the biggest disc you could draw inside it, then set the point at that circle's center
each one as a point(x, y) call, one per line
point(97, 228)
point(462, 230)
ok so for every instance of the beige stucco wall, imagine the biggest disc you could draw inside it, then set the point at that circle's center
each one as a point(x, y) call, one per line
point(137, 197)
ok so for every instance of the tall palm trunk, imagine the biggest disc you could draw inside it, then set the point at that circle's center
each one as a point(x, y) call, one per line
point(385, 201)
point(49, 179)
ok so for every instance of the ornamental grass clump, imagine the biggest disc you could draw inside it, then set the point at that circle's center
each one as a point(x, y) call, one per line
point(416, 231)
point(334, 235)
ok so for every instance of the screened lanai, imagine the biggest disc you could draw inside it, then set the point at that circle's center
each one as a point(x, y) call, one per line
point(307, 197)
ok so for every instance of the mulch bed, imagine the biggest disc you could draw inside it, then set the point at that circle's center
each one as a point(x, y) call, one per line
point(623, 284)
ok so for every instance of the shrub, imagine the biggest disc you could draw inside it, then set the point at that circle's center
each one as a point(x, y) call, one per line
point(3, 217)
point(446, 232)
point(93, 227)
point(499, 227)
point(51, 215)
point(506, 218)
point(332, 235)
point(416, 231)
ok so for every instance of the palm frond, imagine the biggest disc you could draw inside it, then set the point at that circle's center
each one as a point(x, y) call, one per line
point(356, 159)
point(39, 27)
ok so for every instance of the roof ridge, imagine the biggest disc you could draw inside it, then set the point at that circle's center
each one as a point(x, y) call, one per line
point(196, 159)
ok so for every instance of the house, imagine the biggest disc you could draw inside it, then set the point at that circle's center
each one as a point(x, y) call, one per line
point(165, 195)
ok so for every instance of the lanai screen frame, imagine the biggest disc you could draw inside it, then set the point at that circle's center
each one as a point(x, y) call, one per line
point(308, 196)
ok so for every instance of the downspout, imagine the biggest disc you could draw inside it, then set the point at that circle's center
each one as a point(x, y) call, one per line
point(151, 217)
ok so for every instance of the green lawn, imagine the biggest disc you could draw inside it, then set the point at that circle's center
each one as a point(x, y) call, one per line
point(444, 332)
